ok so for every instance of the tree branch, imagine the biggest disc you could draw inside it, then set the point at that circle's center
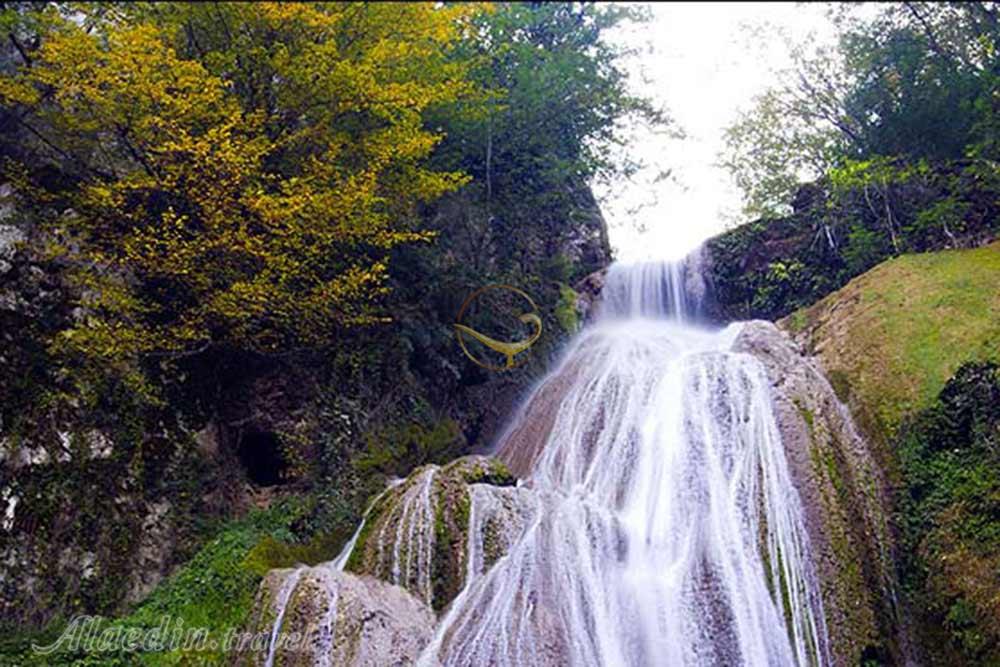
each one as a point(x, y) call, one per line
point(20, 48)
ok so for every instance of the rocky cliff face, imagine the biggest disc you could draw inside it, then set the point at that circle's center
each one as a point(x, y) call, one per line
point(771, 267)
point(80, 518)
point(893, 342)
point(82, 527)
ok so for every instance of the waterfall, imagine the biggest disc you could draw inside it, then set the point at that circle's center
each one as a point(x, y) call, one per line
point(665, 529)
point(328, 626)
point(677, 290)
point(340, 562)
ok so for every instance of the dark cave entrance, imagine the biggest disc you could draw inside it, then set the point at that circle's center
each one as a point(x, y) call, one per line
point(260, 455)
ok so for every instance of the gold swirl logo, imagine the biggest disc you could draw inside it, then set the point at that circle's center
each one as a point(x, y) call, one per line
point(488, 302)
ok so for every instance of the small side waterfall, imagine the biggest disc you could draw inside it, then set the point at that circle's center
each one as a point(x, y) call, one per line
point(284, 595)
point(667, 529)
point(329, 622)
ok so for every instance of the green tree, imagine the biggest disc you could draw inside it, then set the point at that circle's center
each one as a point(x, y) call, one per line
point(237, 173)
point(916, 81)
point(558, 111)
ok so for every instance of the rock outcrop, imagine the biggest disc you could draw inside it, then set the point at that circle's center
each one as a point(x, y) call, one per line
point(844, 494)
point(422, 541)
point(417, 534)
point(769, 268)
point(320, 616)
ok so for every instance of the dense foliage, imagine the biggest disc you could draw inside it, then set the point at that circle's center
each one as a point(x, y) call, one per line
point(769, 268)
point(266, 216)
point(917, 80)
point(220, 178)
point(896, 129)
point(949, 517)
point(237, 171)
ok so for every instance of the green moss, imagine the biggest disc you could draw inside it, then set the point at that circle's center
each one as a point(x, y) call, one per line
point(451, 530)
point(491, 471)
point(807, 416)
point(893, 336)
point(797, 321)
point(565, 311)
point(951, 461)
point(840, 384)
point(356, 562)
point(396, 450)
point(271, 553)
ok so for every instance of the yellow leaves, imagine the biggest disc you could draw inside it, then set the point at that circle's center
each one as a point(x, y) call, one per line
point(17, 91)
point(249, 187)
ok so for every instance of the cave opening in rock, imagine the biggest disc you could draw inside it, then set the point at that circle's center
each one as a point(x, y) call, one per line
point(260, 455)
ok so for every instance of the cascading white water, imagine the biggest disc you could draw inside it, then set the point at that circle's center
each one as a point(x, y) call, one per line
point(674, 290)
point(328, 625)
point(664, 527)
point(284, 595)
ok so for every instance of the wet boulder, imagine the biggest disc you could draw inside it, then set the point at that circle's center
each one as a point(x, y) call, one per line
point(320, 616)
point(417, 534)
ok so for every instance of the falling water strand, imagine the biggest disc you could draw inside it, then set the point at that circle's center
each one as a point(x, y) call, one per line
point(340, 562)
point(406, 536)
point(667, 529)
point(499, 517)
point(281, 603)
point(328, 628)
point(676, 290)
point(285, 592)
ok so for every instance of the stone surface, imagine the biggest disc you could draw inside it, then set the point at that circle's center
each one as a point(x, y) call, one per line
point(588, 291)
point(844, 493)
point(152, 555)
point(416, 535)
point(333, 618)
point(10, 236)
point(428, 534)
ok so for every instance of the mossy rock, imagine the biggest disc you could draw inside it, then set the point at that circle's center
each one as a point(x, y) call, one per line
point(303, 616)
point(416, 534)
point(845, 498)
point(891, 338)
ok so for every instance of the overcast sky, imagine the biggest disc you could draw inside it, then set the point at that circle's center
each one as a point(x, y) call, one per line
point(704, 62)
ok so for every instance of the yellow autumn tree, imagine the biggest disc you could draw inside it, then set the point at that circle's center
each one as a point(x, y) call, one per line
point(239, 172)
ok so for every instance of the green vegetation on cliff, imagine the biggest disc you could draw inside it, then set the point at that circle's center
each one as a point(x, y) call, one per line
point(894, 131)
point(950, 518)
point(912, 347)
point(213, 591)
point(894, 335)
point(839, 229)
point(261, 219)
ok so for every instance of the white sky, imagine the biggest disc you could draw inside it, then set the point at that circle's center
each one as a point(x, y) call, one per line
point(704, 62)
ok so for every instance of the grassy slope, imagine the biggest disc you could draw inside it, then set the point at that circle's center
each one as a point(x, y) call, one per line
point(893, 336)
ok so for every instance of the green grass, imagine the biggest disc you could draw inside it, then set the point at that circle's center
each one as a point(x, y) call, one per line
point(214, 590)
point(895, 334)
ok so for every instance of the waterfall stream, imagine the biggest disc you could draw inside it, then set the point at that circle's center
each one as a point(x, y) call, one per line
point(667, 530)
point(655, 522)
